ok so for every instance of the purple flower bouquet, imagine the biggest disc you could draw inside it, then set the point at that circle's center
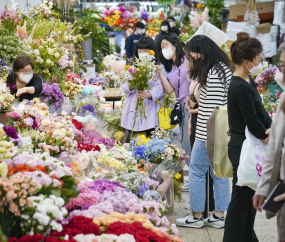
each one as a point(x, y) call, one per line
point(53, 94)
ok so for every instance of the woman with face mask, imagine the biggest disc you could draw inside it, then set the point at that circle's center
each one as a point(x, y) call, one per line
point(165, 31)
point(23, 83)
point(175, 80)
point(150, 97)
point(245, 109)
point(273, 169)
point(211, 67)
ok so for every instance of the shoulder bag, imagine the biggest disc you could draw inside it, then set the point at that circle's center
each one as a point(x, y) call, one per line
point(176, 113)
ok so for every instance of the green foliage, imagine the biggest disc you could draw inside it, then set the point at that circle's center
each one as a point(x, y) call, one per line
point(215, 8)
point(66, 14)
point(67, 191)
point(45, 26)
point(2, 236)
point(177, 192)
point(88, 25)
point(10, 46)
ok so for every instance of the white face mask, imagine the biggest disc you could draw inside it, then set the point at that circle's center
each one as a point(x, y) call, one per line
point(164, 28)
point(167, 53)
point(141, 31)
point(171, 24)
point(255, 69)
point(279, 79)
point(25, 78)
point(142, 55)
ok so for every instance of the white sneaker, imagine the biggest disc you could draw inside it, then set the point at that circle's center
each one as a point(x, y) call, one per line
point(217, 223)
point(186, 187)
point(191, 222)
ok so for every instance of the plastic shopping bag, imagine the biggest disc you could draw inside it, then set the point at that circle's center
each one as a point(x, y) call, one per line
point(251, 161)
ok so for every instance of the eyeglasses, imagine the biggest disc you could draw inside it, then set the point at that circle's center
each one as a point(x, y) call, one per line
point(280, 67)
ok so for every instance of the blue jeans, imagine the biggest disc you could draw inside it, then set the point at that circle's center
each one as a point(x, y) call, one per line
point(199, 165)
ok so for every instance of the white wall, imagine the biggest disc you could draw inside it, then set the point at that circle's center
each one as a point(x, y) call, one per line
point(21, 3)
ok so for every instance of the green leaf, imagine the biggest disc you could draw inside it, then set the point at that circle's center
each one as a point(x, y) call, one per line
point(56, 192)
point(66, 192)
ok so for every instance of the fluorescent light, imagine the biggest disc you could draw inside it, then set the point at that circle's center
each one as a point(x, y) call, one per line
point(154, 3)
point(113, 4)
point(145, 3)
point(100, 4)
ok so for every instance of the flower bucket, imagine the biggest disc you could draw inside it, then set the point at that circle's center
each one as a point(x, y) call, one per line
point(274, 89)
point(3, 119)
point(87, 49)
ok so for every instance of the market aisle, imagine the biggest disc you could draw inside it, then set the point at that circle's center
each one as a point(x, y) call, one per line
point(265, 229)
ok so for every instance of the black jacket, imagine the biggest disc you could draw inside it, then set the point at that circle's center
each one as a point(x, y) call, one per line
point(35, 82)
point(245, 108)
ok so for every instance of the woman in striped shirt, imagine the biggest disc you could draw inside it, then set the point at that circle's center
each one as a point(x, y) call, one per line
point(211, 66)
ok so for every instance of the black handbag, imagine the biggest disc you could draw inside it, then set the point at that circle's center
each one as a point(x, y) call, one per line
point(176, 113)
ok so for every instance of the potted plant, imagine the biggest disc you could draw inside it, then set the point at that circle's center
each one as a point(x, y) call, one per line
point(96, 40)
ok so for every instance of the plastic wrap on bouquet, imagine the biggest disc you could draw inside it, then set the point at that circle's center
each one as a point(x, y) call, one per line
point(66, 107)
point(175, 136)
point(95, 128)
point(162, 173)
point(114, 65)
point(84, 161)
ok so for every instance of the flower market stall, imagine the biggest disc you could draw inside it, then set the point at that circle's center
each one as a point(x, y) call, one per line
point(64, 174)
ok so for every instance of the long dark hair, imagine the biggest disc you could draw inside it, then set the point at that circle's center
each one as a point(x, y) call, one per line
point(147, 43)
point(211, 56)
point(179, 53)
point(166, 23)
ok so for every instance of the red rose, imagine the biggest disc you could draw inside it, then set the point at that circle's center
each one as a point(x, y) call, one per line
point(77, 124)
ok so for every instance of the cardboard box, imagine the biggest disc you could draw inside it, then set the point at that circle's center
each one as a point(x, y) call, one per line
point(240, 9)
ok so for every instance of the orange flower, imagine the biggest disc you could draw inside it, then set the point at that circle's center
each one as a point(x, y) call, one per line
point(41, 168)
point(51, 141)
point(11, 171)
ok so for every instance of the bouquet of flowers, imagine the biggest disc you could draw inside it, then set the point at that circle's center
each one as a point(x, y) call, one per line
point(53, 94)
point(10, 17)
point(6, 98)
point(15, 193)
point(265, 78)
point(41, 214)
point(70, 89)
point(139, 77)
point(45, 53)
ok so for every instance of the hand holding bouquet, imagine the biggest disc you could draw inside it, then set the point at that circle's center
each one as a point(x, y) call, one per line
point(139, 77)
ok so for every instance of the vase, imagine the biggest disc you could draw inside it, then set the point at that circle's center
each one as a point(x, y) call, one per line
point(86, 46)
point(113, 92)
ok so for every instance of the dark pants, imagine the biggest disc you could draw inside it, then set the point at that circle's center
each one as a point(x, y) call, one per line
point(211, 182)
point(129, 132)
point(241, 213)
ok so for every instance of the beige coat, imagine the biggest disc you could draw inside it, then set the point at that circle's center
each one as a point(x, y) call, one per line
point(272, 163)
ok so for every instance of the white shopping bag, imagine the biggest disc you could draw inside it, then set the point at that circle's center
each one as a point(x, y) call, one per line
point(251, 161)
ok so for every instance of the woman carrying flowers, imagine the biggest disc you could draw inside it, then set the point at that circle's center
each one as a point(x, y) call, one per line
point(22, 82)
point(130, 120)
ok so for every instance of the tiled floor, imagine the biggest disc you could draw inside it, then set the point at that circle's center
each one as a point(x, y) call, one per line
point(265, 229)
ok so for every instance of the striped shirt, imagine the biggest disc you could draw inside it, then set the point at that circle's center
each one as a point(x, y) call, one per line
point(214, 93)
